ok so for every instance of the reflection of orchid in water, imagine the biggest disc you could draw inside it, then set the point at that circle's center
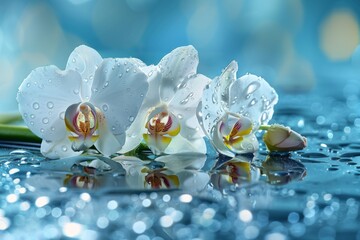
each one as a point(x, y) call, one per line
point(167, 116)
point(176, 171)
point(232, 110)
point(236, 171)
point(282, 169)
point(76, 181)
point(88, 103)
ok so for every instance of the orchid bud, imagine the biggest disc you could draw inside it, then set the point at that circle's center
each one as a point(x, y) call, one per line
point(282, 139)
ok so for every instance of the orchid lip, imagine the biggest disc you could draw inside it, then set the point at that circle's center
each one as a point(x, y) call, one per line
point(161, 129)
point(81, 120)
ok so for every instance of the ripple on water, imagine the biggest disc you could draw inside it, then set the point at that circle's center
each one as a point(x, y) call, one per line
point(314, 155)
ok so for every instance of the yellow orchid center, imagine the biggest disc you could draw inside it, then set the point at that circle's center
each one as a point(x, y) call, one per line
point(156, 179)
point(162, 127)
point(232, 131)
point(82, 122)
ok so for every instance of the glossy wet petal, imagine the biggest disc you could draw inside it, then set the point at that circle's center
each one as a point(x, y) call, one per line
point(43, 98)
point(210, 110)
point(58, 149)
point(118, 91)
point(253, 97)
point(184, 105)
point(85, 61)
point(180, 63)
point(151, 99)
point(227, 77)
point(157, 143)
point(107, 144)
point(180, 144)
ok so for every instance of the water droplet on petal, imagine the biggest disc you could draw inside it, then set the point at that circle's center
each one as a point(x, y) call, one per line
point(50, 105)
point(120, 75)
point(180, 116)
point(32, 116)
point(76, 91)
point(207, 116)
point(252, 87)
point(127, 70)
point(74, 60)
point(36, 105)
point(45, 120)
point(131, 118)
point(106, 84)
point(28, 84)
point(64, 148)
point(105, 107)
point(253, 102)
point(62, 115)
point(264, 117)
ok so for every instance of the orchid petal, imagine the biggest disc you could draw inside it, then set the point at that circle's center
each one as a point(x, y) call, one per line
point(43, 98)
point(58, 149)
point(184, 105)
point(107, 144)
point(118, 90)
point(227, 77)
point(180, 144)
point(210, 110)
point(180, 63)
point(253, 97)
point(85, 61)
point(152, 98)
point(157, 143)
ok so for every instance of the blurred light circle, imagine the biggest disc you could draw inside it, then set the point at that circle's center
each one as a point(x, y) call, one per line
point(339, 35)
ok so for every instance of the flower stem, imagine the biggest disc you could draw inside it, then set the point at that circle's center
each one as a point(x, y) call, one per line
point(10, 118)
point(17, 133)
point(264, 127)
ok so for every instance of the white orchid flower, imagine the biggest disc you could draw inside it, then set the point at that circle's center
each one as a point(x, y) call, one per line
point(167, 119)
point(232, 110)
point(87, 103)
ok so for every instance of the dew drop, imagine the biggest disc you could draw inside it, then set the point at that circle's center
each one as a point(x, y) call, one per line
point(150, 73)
point(180, 116)
point(62, 115)
point(52, 128)
point(50, 105)
point(76, 91)
point(28, 84)
point(74, 60)
point(214, 98)
point(45, 120)
point(184, 101)
point(264, 117)
point(106, 84)
point(127, 70)
point(42, 130)
point(105, 107)
point(252, 88)
point(207, 116)
point(32, 116)
point(64, 148)
point(120, 75)
point(36, 105)
point(131, 118)
point(85, 80)
point(253, 102)
point(31, 123)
